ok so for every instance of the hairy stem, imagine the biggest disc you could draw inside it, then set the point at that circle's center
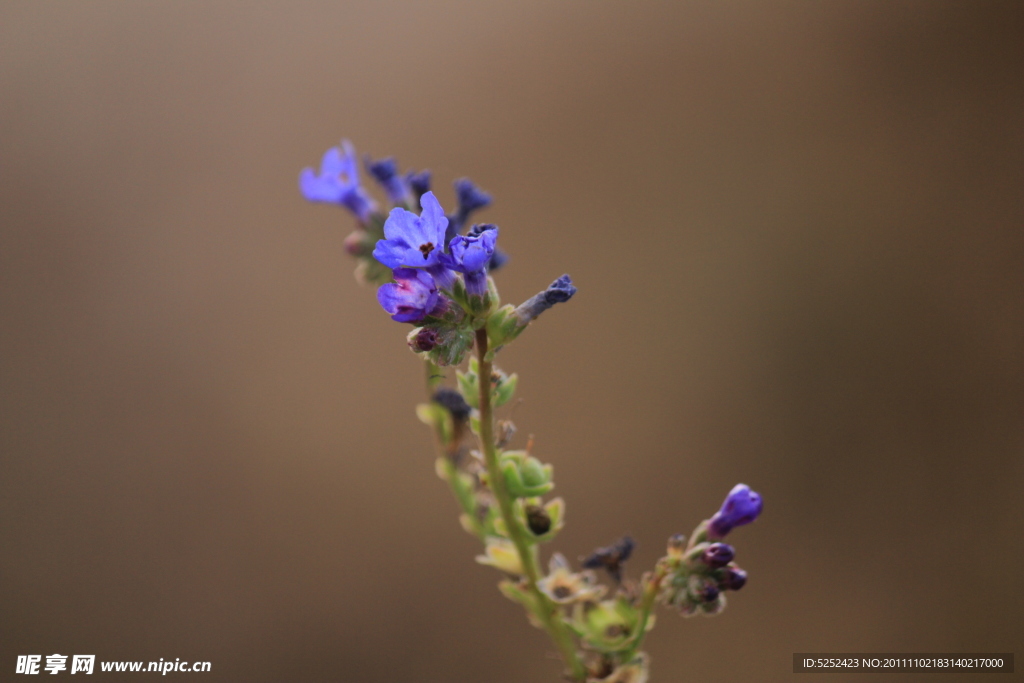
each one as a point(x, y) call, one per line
point(546, 610)
point(651, 587)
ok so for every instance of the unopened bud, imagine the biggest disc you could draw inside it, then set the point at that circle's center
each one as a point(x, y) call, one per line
point(423, 339)
point(718, 555)
point(732, 579)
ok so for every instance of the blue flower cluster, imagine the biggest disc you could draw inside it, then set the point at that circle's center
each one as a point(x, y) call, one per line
point(430, 270)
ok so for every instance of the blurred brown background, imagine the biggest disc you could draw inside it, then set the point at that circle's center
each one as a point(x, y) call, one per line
point(797, 233)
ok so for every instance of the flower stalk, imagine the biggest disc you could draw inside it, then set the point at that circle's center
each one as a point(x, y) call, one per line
point(545, 610)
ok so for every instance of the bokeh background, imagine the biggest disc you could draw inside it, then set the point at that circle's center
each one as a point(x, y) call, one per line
point(796, 228)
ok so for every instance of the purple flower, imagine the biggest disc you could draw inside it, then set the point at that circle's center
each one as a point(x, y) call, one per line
point(498, 258)
point(470, 198)
point(560, 291)
point(741, 506)
point(471, 255)
point(718, 555)
point(338, 182)
point(413, 241)
point(385, 171)
point(411, 297)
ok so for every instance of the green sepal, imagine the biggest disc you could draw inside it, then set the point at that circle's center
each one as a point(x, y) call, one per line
point(525, 476)
point(459, 296)
point(608, 626)
point(469, 386)
point(480, 306)
point(502, 327)
point(453, 343)
point(492, 293)
point(504, 390)
point(555, 509)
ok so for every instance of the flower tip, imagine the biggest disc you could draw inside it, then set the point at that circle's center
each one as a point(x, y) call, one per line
point(742, 506)
point(561, 290)
point(470, 197)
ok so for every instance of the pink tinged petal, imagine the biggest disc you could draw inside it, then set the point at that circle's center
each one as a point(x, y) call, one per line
point(388, 297)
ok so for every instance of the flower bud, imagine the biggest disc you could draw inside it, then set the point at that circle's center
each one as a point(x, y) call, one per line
point(732, 579)
point(355, 244)
point(525, 476)
point(559, 291)
point(718, 555)
point(422, 339)
point(453, 402)
point(702, 589)
point(676, 546)
point(741, 506)
point(419, 182)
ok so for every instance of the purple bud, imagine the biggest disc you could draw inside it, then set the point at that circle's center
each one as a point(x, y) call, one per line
point(560, 291)
point(470, 197)
point(355, 244)
point(418, 182)
point(718, 555)
point(741, 506)
point(453, 402)
point(385, 172)
point(733, 579)
point(709, 593)
point(425, 339)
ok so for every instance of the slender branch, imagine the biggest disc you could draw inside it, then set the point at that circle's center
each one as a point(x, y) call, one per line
point(651, 588)
point(546, 610)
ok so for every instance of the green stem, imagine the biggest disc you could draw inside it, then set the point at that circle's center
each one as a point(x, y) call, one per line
point(546, 610)
point(646, 605)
